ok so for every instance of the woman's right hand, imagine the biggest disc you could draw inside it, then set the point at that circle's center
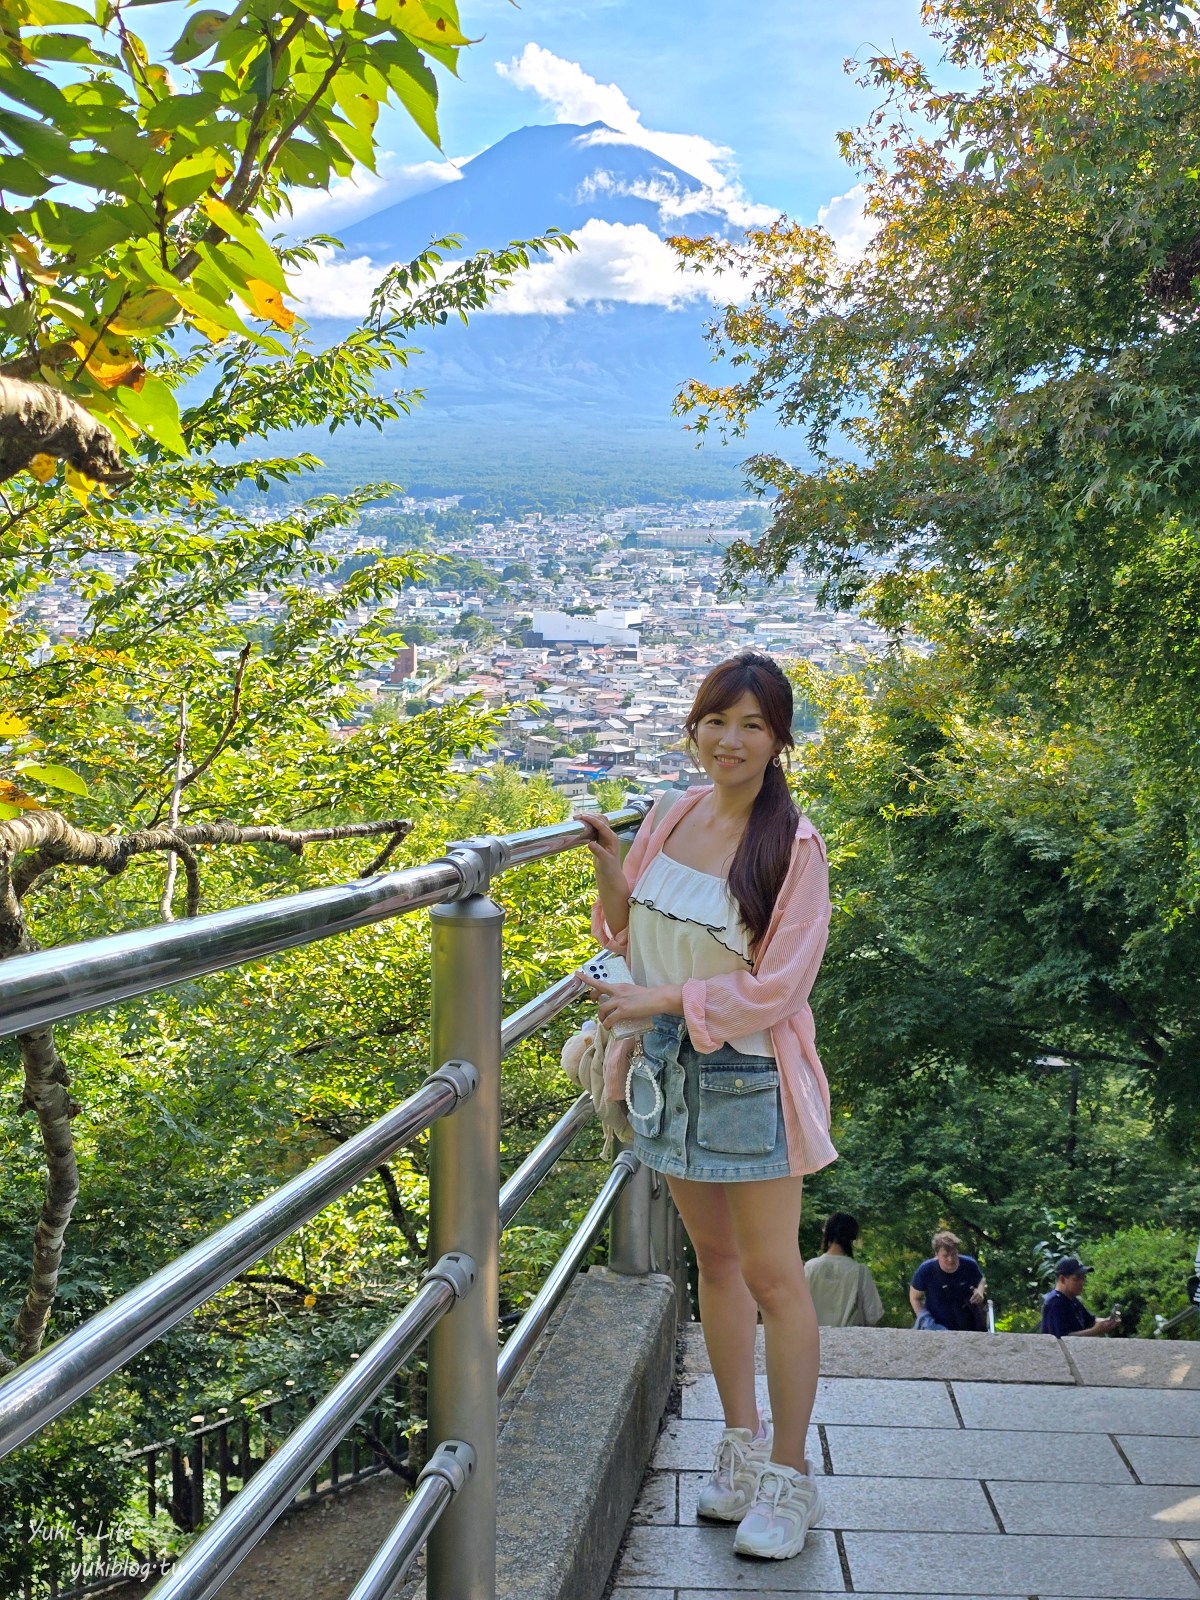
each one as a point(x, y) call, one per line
point(604, 845)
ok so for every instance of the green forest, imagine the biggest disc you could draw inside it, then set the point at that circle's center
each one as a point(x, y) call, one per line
point(996, 408)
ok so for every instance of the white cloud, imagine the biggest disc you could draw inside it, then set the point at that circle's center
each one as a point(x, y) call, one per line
point(334, 286)
point(575, 96)
point(363, 193)
point(615, 261)
point(847, 223)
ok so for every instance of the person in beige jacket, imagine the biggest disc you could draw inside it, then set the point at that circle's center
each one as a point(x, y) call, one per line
point(842, 1289)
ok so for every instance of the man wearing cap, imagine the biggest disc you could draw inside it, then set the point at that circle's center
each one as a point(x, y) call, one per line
point(1063, 1312)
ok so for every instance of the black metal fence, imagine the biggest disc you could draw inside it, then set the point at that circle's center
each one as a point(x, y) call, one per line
point(183, 1483)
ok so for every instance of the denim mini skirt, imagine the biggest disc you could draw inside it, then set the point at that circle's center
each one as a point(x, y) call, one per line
point(715, 1118)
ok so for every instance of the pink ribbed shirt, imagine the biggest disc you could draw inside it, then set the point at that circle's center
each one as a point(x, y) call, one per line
point(772, 995)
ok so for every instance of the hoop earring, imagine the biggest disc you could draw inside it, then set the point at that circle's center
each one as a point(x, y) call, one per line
point(777, 761)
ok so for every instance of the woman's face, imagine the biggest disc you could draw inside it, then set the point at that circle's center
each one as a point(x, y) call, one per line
point(735, 746)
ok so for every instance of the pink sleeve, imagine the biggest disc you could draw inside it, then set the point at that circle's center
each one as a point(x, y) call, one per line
point(601, 932)
point(738, 1003)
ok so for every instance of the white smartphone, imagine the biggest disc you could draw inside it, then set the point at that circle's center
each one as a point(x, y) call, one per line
point(612, 968)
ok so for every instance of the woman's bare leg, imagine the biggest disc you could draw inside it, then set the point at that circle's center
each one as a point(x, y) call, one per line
point(728, 1313)
point(765, 1220)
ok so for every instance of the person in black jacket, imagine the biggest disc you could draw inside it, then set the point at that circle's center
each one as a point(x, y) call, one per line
point(1063, 1312)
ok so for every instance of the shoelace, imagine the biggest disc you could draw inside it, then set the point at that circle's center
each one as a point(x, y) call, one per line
point(731, 1454)
point(772, 1486)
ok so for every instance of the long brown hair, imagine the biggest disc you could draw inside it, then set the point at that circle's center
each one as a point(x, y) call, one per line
point(761, 861)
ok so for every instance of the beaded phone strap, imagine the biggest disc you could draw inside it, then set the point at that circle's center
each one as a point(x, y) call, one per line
point(642, 1116)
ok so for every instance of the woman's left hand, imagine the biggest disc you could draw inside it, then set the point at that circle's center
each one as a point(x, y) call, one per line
point(620, 1003)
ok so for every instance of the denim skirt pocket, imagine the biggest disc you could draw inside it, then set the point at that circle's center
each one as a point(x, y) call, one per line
point(644, 1096)
point(739, 1106)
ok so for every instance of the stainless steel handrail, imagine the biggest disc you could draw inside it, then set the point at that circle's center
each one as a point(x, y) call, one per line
point(443, 1476)
point(201, 1571)
point(536, 1013)
point(465, 1378)
point(42, 1388)
point(50, 985)
point(541, 1159)
point(527, 1332)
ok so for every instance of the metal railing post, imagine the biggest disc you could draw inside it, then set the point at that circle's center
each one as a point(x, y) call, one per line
point(464, 1215)
point(629, 1249)
point(629, 1228)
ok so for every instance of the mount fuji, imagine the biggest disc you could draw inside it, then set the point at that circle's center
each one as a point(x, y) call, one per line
point(572, 372)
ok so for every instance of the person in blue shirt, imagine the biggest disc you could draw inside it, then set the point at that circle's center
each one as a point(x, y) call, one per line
point(948, 1290)
point(1063, 1312)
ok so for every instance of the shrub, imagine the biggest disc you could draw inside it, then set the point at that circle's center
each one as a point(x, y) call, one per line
point(1143, 1270)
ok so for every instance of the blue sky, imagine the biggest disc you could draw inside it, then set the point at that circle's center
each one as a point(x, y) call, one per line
point(766, 100)
point(764, 81)
point(748, 101)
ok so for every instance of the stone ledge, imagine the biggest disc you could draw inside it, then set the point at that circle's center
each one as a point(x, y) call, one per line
point(573, 1453)
point(904, 1353)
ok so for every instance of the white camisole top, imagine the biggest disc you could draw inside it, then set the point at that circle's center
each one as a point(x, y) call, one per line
point(684, 923)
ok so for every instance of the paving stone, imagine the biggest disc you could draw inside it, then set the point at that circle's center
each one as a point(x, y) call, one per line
point(1137, 1363)
point(905, 1504)
point(1092, 1569)
point(1192, 1551)
point(870, 1401)
point(1100, 1509)
point(1080, 1410)
point(695, 1557)
point(974, 1453)
point(643, 1594)
point(1162, 1460)
point(658, 1499)
point(689, 1446)
point(903, 1353)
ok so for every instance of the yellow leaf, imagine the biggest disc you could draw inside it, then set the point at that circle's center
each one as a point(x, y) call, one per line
point(80, 485)
point(43, 467)
point(11, 795)
point(268, 303)
point(310, 1299)
point(112, 364)
point(155, 308)
point(11, 727)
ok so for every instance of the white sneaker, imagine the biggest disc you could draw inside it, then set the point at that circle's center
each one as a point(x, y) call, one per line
point(785, 1506)
point(729, 1492)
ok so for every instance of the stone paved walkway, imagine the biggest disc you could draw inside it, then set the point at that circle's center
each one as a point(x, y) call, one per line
point(1005, 1467)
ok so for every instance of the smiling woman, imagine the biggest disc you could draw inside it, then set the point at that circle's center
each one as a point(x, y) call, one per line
point(723, 908)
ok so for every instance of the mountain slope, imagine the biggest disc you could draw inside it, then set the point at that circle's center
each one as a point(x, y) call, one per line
point(571, 391)
point(534, 179)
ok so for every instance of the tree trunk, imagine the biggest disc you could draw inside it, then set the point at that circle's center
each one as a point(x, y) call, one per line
point(46, 1086)
point(37, 420)
point(46, 1095)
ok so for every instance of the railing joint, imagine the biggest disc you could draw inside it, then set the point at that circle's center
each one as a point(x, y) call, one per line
point(456, 1269)
point(477, 860)
point(453, 1461)
point(462, 1077)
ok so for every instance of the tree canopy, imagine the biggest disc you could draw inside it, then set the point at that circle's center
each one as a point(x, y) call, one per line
point(1000, 398)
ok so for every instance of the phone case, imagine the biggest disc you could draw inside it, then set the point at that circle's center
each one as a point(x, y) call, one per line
point(609, 969)
point(613, 969)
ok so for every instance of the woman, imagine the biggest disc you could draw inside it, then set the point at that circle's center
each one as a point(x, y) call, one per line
point(843, 1289)
point(723, 911)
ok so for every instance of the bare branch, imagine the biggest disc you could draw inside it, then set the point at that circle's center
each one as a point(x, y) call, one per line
point(51, 841)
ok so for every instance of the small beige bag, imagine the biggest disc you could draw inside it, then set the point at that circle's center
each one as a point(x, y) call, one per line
point(582, 1060)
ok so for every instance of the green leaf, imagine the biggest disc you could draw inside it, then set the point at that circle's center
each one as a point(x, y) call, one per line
point(155, 410)
point(202, 32)
point(54, 777)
